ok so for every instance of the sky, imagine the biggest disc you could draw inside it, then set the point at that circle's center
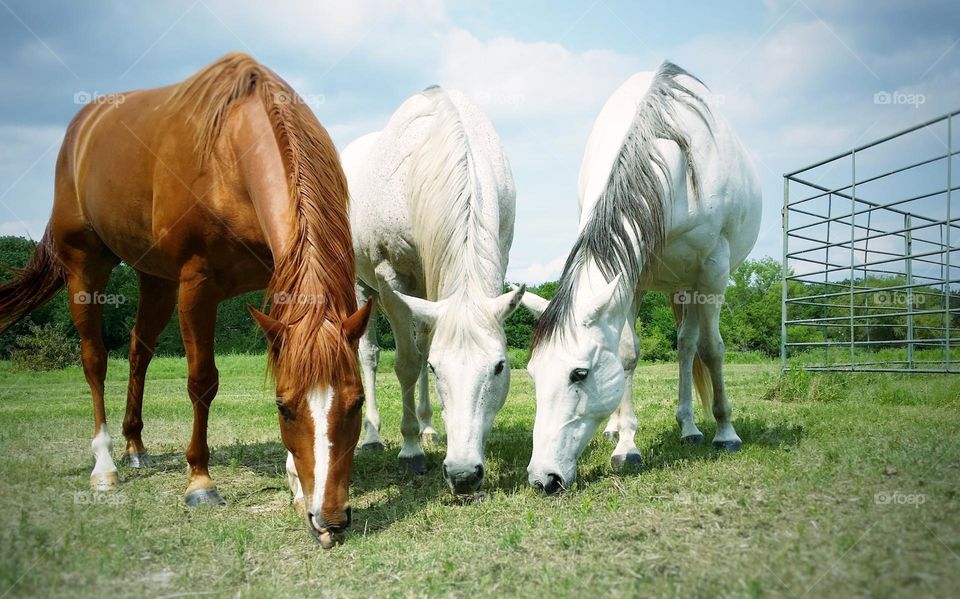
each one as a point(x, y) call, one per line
point(799, 80)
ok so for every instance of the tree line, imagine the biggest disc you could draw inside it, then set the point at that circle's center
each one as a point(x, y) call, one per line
point(750, 320)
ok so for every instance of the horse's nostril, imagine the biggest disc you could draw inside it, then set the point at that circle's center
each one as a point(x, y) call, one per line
point(554, 484)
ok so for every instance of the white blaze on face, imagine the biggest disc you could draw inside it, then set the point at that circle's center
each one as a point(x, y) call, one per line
point(319, 400)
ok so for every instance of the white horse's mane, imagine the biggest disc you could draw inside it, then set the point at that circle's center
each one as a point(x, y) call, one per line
point(626, 228)
point(455, 238)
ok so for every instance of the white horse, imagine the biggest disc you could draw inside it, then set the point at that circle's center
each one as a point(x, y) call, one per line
point(432, 208)
point(669, 201)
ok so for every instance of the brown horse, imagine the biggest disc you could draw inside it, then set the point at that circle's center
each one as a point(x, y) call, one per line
point(222, 184)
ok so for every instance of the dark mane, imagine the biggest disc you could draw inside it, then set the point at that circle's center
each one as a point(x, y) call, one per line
point(315, 279)
point(625, 231)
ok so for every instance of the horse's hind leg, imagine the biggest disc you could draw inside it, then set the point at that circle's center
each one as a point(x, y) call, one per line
point(87, 276)
point(369, 360)
point(711, 350)
point(198, 315)
point(157, 299)
point(688, 336)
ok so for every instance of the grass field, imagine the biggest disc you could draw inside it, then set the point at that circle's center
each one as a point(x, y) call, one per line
point(846, 484)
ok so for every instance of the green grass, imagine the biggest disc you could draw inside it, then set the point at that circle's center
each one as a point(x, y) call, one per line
point(846, 484)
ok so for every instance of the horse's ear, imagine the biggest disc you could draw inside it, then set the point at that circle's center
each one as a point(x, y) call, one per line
point(422, 310)
point(533, 302)
point(355, 324)
point(272, 328)
point(504, 305)
point(605, 301)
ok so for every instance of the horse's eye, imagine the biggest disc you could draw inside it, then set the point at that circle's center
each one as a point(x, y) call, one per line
point(499, 367)
point(284, 410)
point(578, 374)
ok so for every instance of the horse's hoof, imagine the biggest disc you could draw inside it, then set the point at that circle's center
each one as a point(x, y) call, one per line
point(374, 446)
point(428, 439)
point(611, 436)
point(300, 507)
point(731, 446)
point(102, 482)
point(694, 439)
point(209, 496)
point(140, 460)
point(416, 464)
point(627, 460)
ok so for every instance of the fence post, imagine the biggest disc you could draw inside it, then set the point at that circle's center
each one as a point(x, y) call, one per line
point(908, 255)
point(853, 253)
point(783, 292)
point(949, 277)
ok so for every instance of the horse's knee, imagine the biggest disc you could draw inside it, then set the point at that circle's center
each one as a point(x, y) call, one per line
point(203, 385)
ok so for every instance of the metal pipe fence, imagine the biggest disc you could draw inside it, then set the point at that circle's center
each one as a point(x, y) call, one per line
point(871, 256)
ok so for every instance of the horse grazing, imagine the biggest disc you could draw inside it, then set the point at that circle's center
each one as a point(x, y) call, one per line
point(432, 206)
point(669, 201)
point(221, 184)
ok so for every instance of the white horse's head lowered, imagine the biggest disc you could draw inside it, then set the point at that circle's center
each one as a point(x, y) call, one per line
point(579, 380)
point(468, 358)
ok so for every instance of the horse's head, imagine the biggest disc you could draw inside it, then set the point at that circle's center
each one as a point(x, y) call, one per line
point(319, 421)
point(468, 358)
point(579, 382)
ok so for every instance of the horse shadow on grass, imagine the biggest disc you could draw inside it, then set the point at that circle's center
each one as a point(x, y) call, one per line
point(667, 452)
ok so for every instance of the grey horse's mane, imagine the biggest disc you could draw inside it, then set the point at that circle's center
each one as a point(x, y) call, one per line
point(452, 234)
point(629, 214)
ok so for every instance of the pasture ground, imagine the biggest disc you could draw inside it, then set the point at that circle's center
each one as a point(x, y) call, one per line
point(846, 485)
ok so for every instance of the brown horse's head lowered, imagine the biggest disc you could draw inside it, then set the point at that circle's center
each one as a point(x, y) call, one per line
point(314, 323)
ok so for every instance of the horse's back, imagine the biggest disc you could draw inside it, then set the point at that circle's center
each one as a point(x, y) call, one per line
point(721, 221)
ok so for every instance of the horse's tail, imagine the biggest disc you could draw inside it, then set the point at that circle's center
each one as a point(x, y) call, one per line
point(701, 376)
point(33, 285)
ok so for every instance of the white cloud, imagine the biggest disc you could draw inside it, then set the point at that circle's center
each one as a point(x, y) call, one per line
point(515, 80)
point(539, 272)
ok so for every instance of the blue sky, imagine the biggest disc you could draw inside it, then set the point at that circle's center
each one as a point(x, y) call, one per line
point(797, 78)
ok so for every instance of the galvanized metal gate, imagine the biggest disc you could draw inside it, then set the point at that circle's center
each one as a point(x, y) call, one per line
point(871, 256)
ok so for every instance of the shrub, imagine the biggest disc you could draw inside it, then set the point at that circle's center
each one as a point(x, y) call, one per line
point(45, 348)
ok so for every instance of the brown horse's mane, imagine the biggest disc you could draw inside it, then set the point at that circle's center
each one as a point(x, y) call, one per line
point(312, 287)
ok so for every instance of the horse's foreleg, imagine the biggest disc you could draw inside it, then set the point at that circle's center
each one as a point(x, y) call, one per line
point(369, 361)
point(428, 434)
point(626, 452)
point(198, 314)
point(711, 351)
point(688, 336)
point(86, 283)
point(157, 299)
